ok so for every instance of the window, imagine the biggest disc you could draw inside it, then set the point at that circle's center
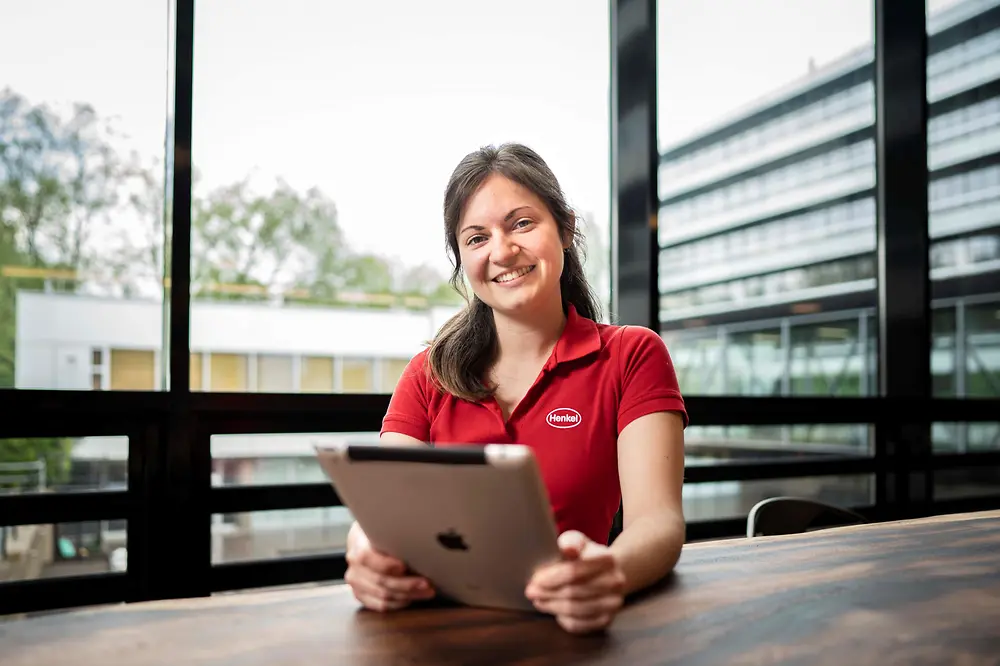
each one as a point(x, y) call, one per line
point(132, 370)
point(357, 376)
point(274, 374)
point(30, 552)
point(317, 374)
point(197, 368)
point(392, 370)
point(965, 349)
point(801, 221)
point(297, 250)
point(63, 464)
point(81, 252)
point(228, 372)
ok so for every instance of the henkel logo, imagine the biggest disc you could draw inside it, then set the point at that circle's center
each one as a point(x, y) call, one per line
point(564, 417)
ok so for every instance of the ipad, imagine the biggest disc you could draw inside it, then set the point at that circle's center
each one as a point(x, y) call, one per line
point(475, 520)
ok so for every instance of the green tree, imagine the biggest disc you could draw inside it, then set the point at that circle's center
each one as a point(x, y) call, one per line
point(60, 181)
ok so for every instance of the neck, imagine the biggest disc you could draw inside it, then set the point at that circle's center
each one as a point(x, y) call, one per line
point(531, 336)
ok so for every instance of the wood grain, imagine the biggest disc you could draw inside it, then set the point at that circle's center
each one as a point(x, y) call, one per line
point(916, 592)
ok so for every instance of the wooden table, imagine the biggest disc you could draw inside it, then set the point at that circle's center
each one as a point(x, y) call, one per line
point(916, 592)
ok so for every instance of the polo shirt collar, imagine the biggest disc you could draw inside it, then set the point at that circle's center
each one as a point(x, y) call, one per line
point(579, 338)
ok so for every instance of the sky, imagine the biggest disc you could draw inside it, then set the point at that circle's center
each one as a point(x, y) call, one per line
point(375, 102)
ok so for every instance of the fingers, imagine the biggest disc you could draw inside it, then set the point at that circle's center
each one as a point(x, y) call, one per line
point(573, 572)
point(379, 581)
point(370, 558)
point(582, 609)
point(575, 625)
point(572, 544)
point(605, 583)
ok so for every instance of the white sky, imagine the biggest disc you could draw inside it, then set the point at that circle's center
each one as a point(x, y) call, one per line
point(375, 102)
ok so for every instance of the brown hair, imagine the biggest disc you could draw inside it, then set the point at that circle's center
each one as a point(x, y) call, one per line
point(466, 345)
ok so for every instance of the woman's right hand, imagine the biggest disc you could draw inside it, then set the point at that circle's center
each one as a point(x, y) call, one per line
point(381, 582)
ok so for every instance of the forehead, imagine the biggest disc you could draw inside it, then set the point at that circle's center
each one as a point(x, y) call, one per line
point(496, 197)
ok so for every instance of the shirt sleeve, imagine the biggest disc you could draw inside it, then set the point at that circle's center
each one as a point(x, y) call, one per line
point(649, 381)
point(408, 412)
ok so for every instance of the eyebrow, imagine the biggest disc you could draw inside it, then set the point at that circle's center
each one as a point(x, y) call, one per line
point(506, 218)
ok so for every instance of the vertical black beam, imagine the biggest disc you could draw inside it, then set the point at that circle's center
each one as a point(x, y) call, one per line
point(175, 546)
point(634, 163)
point(903, 264)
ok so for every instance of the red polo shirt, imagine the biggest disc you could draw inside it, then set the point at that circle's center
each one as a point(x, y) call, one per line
point(598, 379)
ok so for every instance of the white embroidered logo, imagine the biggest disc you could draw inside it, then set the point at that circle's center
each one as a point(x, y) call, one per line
point(563, 417)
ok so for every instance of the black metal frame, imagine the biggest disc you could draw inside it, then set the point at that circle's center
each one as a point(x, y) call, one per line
point(169, 501)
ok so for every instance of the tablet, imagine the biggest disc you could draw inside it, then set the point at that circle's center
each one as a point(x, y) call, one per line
point(474, 520)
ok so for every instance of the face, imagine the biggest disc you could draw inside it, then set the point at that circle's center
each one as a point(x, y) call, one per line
point(510, 247)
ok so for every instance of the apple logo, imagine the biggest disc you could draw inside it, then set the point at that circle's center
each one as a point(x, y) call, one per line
point(452, 540)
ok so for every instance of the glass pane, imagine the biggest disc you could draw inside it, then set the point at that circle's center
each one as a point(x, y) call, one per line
point(966, 483)
point(228, 372)
point(735, 499)
point(49, 464)
point(30, 552)
point(767, 217)
point(81, 190)
point(317, 374)
point(709, 445)
point(357, 376)
point(392, 370)
point(197, 367)
point(963, 145)
point(323, 236)
point(132, 370)
point(248, 460)
point(274, 374)
point(260, 535)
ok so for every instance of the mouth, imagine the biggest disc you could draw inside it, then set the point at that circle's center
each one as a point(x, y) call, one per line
point(510, 276)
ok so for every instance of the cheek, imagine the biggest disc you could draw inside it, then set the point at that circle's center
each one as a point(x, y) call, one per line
point(472, 265)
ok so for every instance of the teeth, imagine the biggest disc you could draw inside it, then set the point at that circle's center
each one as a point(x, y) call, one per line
point(507, 277)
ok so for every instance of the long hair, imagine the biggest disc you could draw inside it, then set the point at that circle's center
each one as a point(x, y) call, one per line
point(465, 347)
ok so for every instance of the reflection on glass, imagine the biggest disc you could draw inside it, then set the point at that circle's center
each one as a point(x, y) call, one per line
point(321, 240)
point(243, 460)
point(766, 184)
point(81, 198)
point(732, 499)
point(261, 535)
point(63, 464)
point(30, 552)
point(963, 136)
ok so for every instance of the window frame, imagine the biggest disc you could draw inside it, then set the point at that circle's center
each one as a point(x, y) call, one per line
point(170, 500)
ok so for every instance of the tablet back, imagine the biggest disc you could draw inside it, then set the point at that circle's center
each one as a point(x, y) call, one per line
point(476, 521)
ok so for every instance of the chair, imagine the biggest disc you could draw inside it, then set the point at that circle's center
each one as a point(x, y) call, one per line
point(794, 515)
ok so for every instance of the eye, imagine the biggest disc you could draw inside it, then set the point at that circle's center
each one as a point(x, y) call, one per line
point(522, 223)
point(473, 240)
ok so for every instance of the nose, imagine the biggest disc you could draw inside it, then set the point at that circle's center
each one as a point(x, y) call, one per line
point(503, 251)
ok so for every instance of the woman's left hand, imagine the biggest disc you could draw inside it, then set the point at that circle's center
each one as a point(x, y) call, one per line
point(584, 590)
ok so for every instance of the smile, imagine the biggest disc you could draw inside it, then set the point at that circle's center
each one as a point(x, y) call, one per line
point(513, 275)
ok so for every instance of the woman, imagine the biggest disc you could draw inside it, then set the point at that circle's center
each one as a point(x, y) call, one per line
point(526, 362)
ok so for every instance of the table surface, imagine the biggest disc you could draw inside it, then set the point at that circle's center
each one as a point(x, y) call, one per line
point(913, 592)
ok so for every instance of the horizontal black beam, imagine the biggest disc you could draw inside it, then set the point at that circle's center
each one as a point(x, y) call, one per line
point(723, 528)
point(238, 499)
point(780, 469)
point(942, 461)
point(32, 596)
point(53, 508)
point(960, 505)
point(779, 410)
point(729, 528)
point(280, 571)
point(82, 413)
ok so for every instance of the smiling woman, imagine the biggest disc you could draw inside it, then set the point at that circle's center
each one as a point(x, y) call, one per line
point(512, 233)
point(526, 362)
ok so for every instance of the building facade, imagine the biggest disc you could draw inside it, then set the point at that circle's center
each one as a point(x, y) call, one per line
point(767, 227)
